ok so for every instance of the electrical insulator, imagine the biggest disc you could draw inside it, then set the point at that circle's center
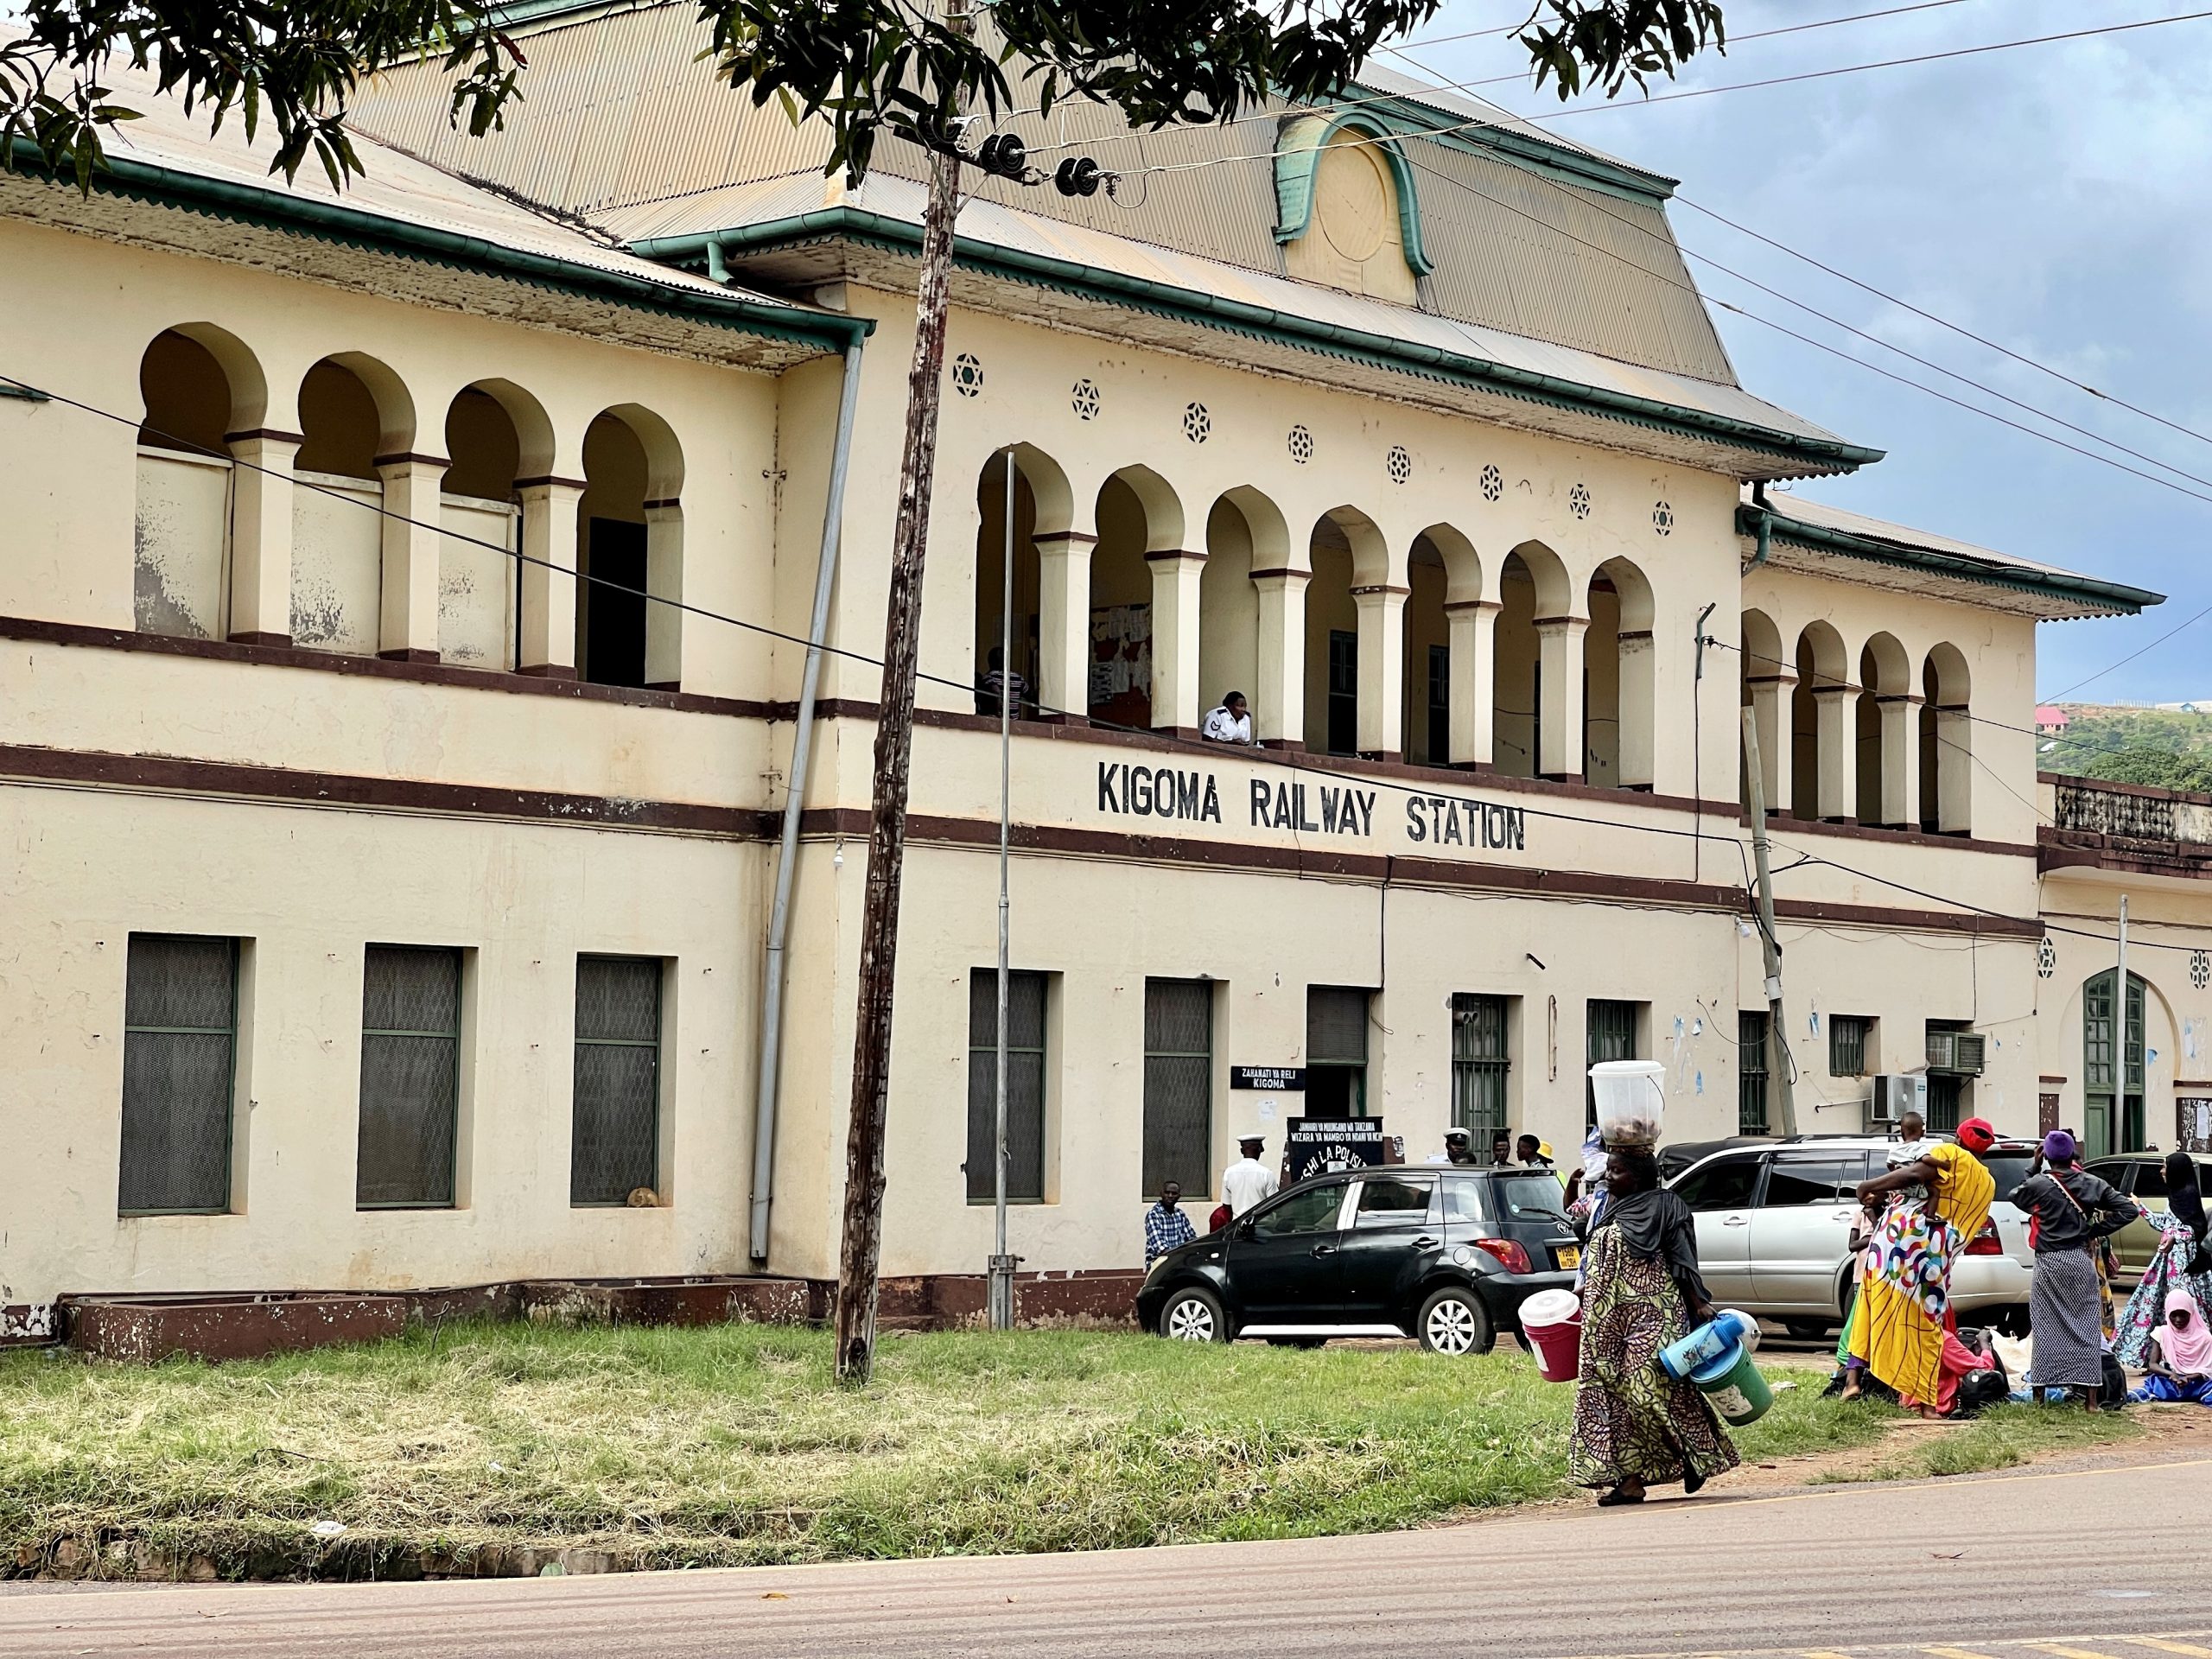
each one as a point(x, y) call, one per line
point(1077, 175)
point(1004, 154)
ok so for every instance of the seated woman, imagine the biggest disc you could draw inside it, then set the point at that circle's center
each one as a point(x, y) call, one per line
point(2179, 1360)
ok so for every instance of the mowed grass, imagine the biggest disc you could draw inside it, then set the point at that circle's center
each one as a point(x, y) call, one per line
point(732, 1445)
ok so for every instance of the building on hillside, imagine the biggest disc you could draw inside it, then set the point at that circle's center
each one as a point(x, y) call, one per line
point(2050, 720)
point(388, 904)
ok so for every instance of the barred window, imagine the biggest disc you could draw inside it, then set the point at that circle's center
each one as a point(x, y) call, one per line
point(1336, 1051)
point(614, 1140)
point(410, 1078)
point(1609, 1033)
point(1847, 1035)
point(1178, 1084)
point(180, 1048)
point(1750, 1071)
point(1480, 1063)
point(1025, 1086)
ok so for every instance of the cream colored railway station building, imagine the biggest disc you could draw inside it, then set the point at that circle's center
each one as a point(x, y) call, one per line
point(382, 910)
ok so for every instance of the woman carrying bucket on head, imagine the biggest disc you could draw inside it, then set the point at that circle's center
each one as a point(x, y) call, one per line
point(1937, 1202)
point(1636, 1426)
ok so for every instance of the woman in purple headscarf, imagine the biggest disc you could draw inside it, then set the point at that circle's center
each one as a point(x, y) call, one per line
point(2072, 1210)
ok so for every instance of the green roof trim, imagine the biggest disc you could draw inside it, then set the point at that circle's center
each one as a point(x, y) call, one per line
point(1260, 322)
point(271, 207)
point(1298, 157)
point(2115, 597)
point(1410, 116)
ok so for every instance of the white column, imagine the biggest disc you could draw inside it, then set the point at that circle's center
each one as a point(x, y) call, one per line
point(663, 580)
point(1954, 771)
point(1559, 719)
point(1175, 582)
point(1381, 670)
point(1473, 624)
point(1064, 620)
point(548, 645)
point(407, 625)
point(261, 537)
point(1900, 761)
point(1836, 789)
point(1279, 694)
point(1634, 694)
point(1770, 704)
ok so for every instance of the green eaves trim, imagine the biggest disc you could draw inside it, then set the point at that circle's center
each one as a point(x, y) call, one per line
point(1260, 322)
point(1299, 157)
point(274, 209)
point(1409, 117)
point(2113, 596)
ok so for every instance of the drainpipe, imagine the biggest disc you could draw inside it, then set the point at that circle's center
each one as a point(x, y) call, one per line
point(771, 1009)
point(717, 268)
point(1763, 519)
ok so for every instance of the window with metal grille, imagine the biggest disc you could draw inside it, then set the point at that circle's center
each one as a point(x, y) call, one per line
point(180, 1049)
point(1609, 1033)
point(1439, 705)
point(1025, 1086)
point(614, 1140)
point(1750, 1071)
point(1343, 691)
point(1480, 1063)
point(1847, 1044)
point(1178, 1084)
point(1336, 1051)
point(410, 1078)
point(1945, 1094)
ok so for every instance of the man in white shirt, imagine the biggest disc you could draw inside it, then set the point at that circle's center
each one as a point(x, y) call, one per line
point(1231, 723)
point(1248, 1181)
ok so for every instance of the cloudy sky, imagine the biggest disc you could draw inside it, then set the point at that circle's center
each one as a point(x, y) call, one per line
point(2057, 198)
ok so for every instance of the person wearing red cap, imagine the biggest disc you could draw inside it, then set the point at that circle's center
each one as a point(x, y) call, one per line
point(1977, 1135)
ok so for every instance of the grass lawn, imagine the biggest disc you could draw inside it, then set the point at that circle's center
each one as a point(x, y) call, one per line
point(730, 1446)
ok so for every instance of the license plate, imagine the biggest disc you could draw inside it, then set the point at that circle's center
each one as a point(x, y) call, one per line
point(1569, 1256)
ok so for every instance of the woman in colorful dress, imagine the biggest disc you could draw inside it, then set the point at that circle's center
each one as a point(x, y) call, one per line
point(1634, 1426)
point(2182, 1230)
point(2073, 1211)
point(1898, 1326)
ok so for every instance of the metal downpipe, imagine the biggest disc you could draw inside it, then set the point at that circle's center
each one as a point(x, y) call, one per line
point(771, 1008)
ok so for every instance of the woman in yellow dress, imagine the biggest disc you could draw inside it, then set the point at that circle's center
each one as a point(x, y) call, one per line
point(1905, 1278)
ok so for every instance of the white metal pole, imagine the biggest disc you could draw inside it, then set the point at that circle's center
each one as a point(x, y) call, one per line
point(1001, 1274)
point(2115, 1128)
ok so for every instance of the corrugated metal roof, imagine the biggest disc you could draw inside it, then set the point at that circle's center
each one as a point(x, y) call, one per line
point(620, 114)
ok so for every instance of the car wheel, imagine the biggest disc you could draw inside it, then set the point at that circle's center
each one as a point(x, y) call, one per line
point(1453, 1321)
point(1807, 1330)
point(1194, 1316)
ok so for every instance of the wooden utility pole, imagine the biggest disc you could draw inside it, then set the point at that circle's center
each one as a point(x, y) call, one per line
point(1777, 1045)
point(894, 742)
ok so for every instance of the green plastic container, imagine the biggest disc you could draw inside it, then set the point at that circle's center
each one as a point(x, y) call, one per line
point(1734, 1386)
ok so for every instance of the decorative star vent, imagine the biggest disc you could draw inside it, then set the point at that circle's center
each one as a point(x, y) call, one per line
point(1400, 464)
point(1662, 518)
point(1577, 500)
point(1084, 400)
point(1198, 425)
point(967, 374)
point(2047, 958)
point(1493, 484)
point(2200, 969)
point(1301, 445)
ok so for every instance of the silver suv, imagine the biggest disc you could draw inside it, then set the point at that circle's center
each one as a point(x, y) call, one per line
point(1774, 1230)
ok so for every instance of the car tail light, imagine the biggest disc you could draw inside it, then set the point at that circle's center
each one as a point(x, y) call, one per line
point(1986, 1241)
point(1511, 1256)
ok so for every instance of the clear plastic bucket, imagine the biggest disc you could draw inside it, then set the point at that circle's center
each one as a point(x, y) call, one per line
point(1631, 1100)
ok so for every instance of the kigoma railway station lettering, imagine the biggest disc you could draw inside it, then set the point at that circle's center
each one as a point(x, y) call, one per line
point(1310, 808)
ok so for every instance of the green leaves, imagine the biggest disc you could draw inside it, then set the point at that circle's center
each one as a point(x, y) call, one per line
point(1605, 44)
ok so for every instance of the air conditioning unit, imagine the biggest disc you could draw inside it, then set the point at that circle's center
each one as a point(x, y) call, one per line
point(1956, 1053)
point(1896, 1094)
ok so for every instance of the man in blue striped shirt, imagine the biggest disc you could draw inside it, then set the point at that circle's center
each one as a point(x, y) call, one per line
point(1165, 1225)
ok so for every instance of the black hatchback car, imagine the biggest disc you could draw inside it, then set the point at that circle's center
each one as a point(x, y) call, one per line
point(1446, 1253)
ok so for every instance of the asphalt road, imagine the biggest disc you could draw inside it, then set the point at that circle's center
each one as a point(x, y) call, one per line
point(2077, 1563)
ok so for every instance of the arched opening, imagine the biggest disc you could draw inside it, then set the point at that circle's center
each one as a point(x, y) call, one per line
point(1617, 679)
point(1019, 673)
point(1345, 552)
point(611, 601)
point(200, 385)
point(337, 525)
point(1427, 687)
point(1133, 643)
point(2112, 1082)
point(478, 592)
point(1884, 708)
point(1533, 603)
point(1766, 682)
point(1244, 532)
point(1946, 744)
point(1819, 758)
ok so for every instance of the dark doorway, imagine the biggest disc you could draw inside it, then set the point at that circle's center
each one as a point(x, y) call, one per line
point(614, 620)
point(1343, 691)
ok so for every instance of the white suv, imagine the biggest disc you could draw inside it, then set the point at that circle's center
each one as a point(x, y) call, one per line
point(1774, 1230)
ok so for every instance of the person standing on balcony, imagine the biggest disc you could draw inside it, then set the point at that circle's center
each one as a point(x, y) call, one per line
point(1231, 722)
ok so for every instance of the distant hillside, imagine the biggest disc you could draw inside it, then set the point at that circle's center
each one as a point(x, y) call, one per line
point(2168, 748)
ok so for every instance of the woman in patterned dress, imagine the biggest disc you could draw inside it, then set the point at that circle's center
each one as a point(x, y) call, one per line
point(1634, 1426)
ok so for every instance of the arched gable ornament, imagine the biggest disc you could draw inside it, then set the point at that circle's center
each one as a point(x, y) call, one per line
point(1299, 147)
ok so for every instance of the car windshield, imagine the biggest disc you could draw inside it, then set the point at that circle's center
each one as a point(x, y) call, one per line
point(2010, 1168)
point(1530, 1198)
